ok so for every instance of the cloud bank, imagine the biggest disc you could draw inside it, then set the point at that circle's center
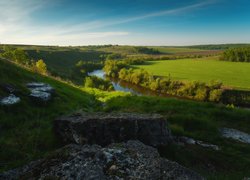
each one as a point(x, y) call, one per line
point(17, 25)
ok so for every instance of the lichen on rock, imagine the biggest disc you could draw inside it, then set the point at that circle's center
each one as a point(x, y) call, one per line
point(130, 160)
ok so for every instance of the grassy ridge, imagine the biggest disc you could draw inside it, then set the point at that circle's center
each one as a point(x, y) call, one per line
point(26, 129)
point(205, 69)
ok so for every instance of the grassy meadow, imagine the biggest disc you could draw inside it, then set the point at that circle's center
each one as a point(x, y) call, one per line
point(232, 74)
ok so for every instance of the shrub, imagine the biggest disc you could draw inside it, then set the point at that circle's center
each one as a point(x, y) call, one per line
point(201, 94)
point(96, 82)
point(41, 67)
point(215, 95)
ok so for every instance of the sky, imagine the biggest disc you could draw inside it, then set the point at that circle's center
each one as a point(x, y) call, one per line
point(124, 22)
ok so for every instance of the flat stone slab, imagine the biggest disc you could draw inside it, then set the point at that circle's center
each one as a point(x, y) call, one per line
point(40, 91)
point(235, 134)
point(107, 128)
point(10, 100)
point(131, 160)
point(43, 96)
point(191, 141)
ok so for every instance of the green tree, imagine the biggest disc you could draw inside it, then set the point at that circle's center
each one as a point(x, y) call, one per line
point(41, 67)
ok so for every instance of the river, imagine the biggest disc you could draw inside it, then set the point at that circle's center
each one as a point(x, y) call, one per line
point(124, 86)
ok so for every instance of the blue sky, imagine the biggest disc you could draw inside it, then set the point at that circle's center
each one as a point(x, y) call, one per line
point(129, 22)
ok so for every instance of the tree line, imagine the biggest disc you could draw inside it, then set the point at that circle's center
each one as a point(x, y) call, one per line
point(21, 57)
point(241, 54)
point(194, 90)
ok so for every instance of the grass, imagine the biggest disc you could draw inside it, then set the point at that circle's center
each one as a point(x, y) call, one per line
point(26, 128)
point(200, 121)
point(232, 74)
point(175, 50)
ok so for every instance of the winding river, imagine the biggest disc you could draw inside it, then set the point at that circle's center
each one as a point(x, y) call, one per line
point(124, 86)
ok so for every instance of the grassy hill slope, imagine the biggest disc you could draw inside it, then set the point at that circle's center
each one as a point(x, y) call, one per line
point(25, 128)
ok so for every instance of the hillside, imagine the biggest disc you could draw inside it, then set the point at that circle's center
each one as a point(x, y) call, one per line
point(25, 127)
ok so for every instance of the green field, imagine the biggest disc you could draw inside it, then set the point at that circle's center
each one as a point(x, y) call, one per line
point(174, 50)
point(232, 74)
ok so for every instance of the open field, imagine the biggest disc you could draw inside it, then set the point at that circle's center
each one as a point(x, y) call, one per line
point(232, 74)
point(184, 50)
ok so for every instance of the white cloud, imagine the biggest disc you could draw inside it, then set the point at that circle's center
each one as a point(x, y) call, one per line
point(17, 25)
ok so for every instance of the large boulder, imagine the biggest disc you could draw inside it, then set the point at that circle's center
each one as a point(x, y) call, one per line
point(107, 128)
point(131, 160)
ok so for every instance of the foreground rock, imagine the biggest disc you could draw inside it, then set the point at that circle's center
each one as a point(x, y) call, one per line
point(10, 100)
point(40, 91)
point(191, 141)
point(107, 128)
point(235, 134)
point(131, 160)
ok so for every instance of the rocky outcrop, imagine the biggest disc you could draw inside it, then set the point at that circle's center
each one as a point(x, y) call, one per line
point(10, 100)
point(40, 92)
point(235, 134)
point(131, 160)
point(106, 128)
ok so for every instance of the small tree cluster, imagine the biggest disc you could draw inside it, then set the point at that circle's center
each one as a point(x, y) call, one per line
point(237, 54)
point(17, 55)
point(40, 67)
point(96, 82)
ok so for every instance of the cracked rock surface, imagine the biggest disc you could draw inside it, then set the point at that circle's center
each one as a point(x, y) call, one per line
point(131, 160)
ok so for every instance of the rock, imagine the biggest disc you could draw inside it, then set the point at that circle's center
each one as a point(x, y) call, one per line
point(10, 100)
point(191, 141)
point(131, 160)
point(40, 87)
point(187, 140)
point(40, 91)
point(39, 95)
point(210, 146)
point(107, 128)
point(235, 134)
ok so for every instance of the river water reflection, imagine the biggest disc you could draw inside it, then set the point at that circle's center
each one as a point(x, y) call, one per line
point(124, 86)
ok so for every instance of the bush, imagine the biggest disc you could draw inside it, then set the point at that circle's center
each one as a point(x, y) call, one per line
point(96, 82)
point(215, 95)
point(201, 94)
point(41, 67)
